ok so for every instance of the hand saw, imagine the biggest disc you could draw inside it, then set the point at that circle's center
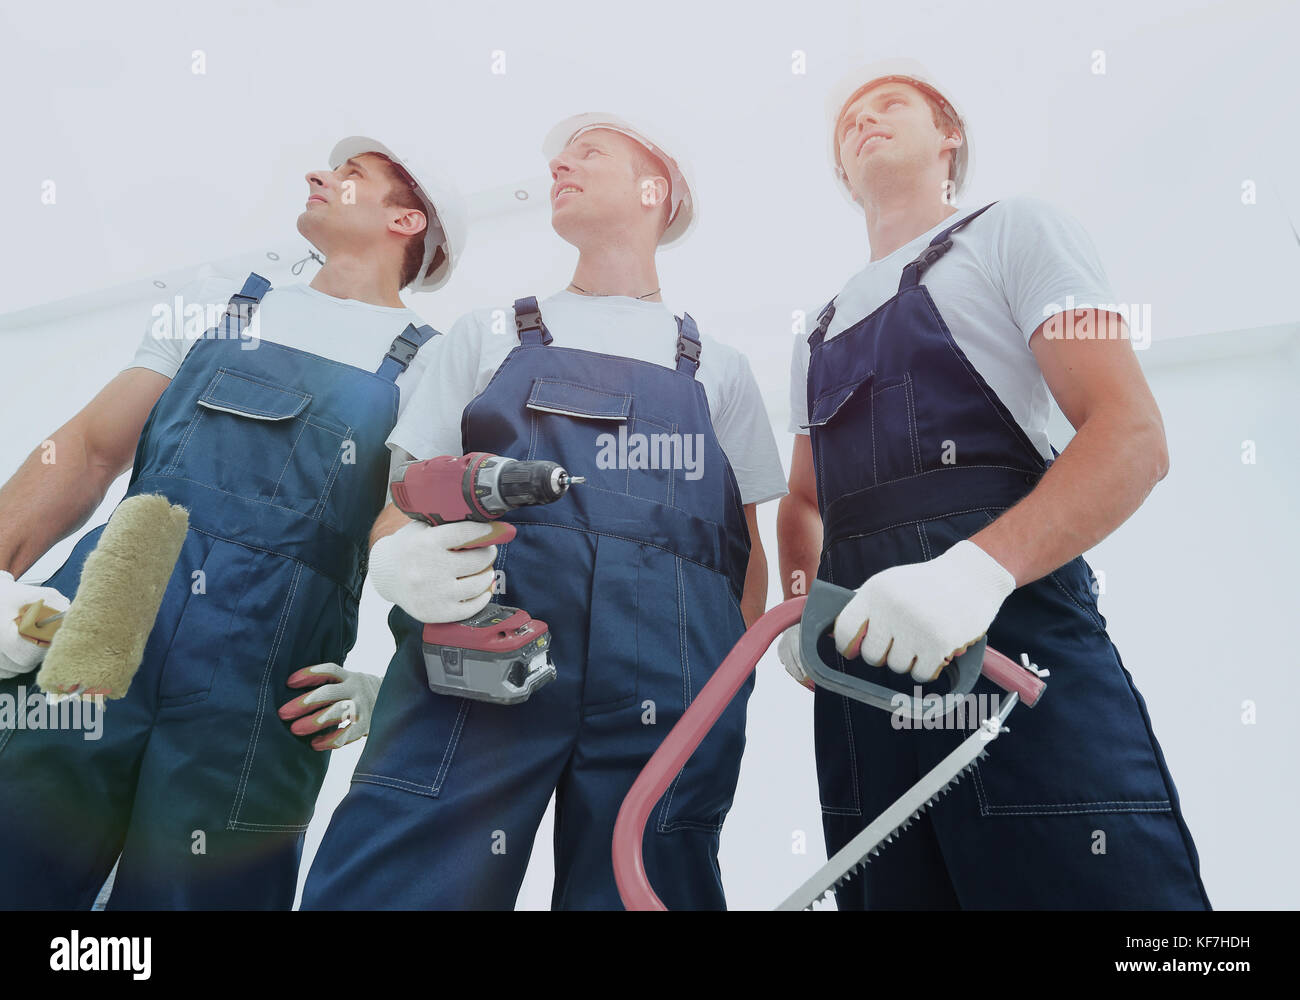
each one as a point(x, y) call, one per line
point(816, 613)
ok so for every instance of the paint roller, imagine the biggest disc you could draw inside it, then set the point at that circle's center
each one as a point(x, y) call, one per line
point(96, 646)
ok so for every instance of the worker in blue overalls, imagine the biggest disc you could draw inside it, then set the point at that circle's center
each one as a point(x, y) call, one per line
point(269, 428)
point(923, 477)
point(645, 575)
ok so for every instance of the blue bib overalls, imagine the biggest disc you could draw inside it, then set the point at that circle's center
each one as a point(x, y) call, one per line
point(639, 573)
point(1075, 808)
point(279, 457)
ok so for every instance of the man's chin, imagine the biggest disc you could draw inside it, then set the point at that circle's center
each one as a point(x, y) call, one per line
point(568, 229)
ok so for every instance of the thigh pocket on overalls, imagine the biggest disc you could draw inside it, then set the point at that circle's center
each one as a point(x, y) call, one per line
point(279, 774)
point(708, 623)
point(606, 437)
point(201, 612)
point(261, 441)
point(631, 600)
point(1085, 747)
point(415, 732)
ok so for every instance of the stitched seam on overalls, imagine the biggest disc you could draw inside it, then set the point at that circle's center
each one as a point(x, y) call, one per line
point(913, 434)
point(193, 425)
point(448, 754)
point(852, 744)
point(190, 697)
point(444, 766)
point(1184, 834)
point(288, 460)
point(397, 783)
point(343, 618)
point(1087, 611)
point(254, 737)
point(244, 407)
point(1065, 808)
point(853, 760)
point(902, 524)
point(273, 552)
point(925, 541)
point(684, 659)
point(328, 488)
point(857, 383)
point(877, 391)
point(871, 409)
point(577, 385)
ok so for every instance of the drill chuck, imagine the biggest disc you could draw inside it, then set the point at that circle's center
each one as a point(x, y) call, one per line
point(523, 484)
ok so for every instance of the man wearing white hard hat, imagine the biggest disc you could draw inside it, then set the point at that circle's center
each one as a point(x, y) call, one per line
point(923, 476)
point(646, 572)
point(269, 427)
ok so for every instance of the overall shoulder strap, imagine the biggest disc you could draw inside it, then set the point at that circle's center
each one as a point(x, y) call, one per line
point(823, 324)
point(243, 304)
point(403, 350)
point(528, 322)
point(688, 345)
point(939, 246)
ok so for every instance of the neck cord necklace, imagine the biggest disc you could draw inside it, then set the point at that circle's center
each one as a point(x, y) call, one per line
point(579, 288)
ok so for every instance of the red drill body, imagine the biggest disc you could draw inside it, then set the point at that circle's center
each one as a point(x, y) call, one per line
point(500, 654)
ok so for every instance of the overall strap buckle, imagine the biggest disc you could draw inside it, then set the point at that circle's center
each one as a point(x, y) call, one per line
point(688, 346)
point(402, 351)
point(823, 324)
point(939, 246)
point(528, 322)
point(243, 304)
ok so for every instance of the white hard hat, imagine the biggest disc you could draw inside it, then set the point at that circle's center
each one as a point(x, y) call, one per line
point(905, 71)
point(447, 216)
point(683, 210)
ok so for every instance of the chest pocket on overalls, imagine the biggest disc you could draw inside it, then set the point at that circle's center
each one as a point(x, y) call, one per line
point(868, 423)
point(261, 441)
point(604, 436)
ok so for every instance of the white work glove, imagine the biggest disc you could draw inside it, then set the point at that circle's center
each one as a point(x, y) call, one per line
point(350, 697)
point(415, 568)
point(787, 649)
point(919, 616)
point(19, 655)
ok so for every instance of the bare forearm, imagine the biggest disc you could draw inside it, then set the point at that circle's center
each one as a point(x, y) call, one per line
point(52, 494)
point(799, 543)
point(389, 520)
point(1102, 477)
point(754, 600)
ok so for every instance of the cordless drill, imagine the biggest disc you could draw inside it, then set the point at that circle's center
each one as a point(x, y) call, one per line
point(501, 654)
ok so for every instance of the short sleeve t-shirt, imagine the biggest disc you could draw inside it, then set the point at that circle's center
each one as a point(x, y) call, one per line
point(1018, 264)
point(465, 360)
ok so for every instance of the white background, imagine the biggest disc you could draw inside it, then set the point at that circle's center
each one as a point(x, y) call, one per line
point(158, 170)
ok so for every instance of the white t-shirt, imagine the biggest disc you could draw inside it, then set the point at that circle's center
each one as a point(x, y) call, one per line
point(467, 357)
point(1007, 272)
point(345, 330)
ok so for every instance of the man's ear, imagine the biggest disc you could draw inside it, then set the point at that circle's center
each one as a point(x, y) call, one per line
point(953, 139)
point(654, 190)
point(409, 223)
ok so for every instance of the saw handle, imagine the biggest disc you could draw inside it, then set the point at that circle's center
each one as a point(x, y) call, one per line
point(682, 740)
point(825, 602)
